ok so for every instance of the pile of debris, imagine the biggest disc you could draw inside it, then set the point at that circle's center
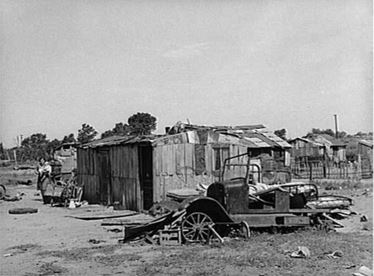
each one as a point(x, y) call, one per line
point(6, 197)
point(194, 216)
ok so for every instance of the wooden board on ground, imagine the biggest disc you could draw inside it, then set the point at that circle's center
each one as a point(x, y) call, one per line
point(133, 220)
point(103, 214)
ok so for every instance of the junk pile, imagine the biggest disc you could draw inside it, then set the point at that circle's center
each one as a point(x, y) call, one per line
point(225, 210)
point(57, 189)
point(59, 193)
point(6, 197)
point(27, 182)
point(160, 226)
point(180, 195)
point(24, 167)
point(364, 271)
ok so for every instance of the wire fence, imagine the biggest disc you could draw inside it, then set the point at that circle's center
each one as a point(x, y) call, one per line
point(329, 170)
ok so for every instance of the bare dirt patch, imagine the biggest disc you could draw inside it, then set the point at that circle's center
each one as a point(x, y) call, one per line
point(52, 243)
point(47, 269)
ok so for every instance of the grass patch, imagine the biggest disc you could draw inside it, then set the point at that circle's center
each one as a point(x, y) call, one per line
point(267, 254)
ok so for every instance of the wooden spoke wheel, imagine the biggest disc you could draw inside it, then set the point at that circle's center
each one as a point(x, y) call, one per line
point(195, 227)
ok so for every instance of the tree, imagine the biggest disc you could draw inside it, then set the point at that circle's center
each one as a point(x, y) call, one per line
point(342, 134)
point(119, 129)
point(107, 133)
point(142, 123)
point(281, 133)
point(68, 139)
point(321, 131)
point(86, 134)
point(52, 145)
point(34, 147)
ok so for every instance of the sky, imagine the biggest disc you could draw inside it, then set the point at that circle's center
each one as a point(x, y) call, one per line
point(286, 64)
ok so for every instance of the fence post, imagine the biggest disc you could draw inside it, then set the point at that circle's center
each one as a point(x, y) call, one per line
point(310, 171)
point(359, 167)
point(324, 166)
point(15, 157)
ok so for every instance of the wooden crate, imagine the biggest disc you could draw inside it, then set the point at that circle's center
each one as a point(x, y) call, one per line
point(170, 236)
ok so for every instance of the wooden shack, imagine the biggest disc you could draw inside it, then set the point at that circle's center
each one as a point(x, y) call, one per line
point(137, 171)
point(67, 155)
point(117, 169)
point(306, 149)
point(335, 149)
point(280, 150)
point(193, 158)
point(365, 153)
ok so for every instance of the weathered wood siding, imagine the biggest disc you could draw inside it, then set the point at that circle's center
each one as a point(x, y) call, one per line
point(87, 175)
point(302, 148)
point(124, 184)
point(173, 168)
point(180, 164)
point(125, 187)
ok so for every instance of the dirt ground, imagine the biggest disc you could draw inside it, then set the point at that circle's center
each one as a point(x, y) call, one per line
point(50, 242)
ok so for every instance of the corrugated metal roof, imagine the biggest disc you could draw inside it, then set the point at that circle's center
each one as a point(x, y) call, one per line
point(73, 144)
point(333, 140)
point(307, 141)
point(236, 139)
point(262, 138)
point(247, 136)
point(249, 127)
point(368, 143)
point(258, 142)
point(119, 140)
point(212, 137)
point(273, 138)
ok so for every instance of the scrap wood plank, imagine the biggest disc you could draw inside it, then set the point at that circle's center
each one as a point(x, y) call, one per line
point(152, 226)
point(103, 215)
point(333, 220)
point(89, 208)
point(133, 220)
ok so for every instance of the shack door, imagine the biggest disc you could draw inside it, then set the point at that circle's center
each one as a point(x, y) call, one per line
point(104, 176)
point(146, 175)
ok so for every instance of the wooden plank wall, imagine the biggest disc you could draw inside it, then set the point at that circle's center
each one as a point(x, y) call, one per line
point(86, 168)
point(174, 167)
point(237, 171)
point(125, 186)
point(124, 176)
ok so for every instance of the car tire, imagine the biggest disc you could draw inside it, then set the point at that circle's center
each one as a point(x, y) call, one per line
point(20, 211)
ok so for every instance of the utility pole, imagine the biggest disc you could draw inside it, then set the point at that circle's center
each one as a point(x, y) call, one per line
point(336, 126)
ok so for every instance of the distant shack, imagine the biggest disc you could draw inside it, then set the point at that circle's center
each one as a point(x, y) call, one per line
point(323, 156)
point(67, 155)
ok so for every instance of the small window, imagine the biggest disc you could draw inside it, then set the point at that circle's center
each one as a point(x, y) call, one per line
point(217, 159)
point(220, 155)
